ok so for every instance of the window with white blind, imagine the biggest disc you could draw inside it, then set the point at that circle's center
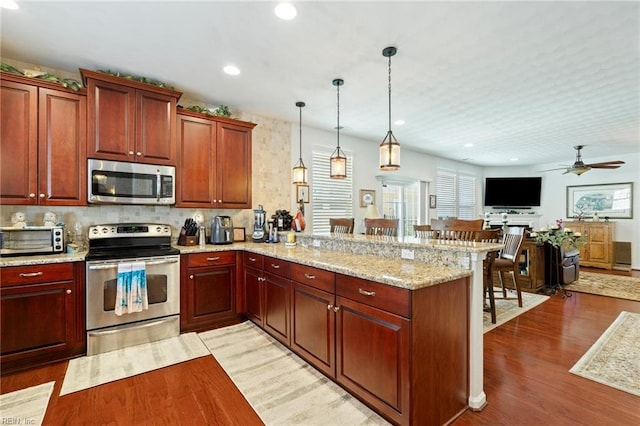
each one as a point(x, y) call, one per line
point(330, 197)
point(456, 195)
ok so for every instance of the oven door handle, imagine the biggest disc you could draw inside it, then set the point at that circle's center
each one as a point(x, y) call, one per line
point(115, 265)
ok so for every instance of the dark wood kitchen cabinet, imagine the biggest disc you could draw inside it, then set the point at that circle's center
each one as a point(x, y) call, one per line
point(42, 143)
point(208, 294)
point(214, 161)
point(403, 352)
point(129, 120)
point(42, 315)
point(267, 294)
point(313, 316)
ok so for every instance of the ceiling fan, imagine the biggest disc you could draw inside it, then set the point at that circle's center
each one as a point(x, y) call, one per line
point(579, 167)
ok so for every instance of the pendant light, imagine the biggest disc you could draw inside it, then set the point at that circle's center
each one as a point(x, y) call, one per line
point(338, 167)
point(299, 170)
point(389, 147)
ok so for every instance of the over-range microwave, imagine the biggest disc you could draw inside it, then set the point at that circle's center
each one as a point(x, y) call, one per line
point(116, 182)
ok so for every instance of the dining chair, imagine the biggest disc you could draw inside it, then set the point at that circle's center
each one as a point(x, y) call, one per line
point(386, 227)
point(489, 236)
point(423, 231)
point(341, 225)
point(509, 258)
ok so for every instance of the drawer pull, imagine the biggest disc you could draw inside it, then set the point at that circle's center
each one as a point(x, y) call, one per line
point(30, 274)
point(366, 293)
point(309, 276)
point(252, 259)
point(213, 259)
point(274, 266)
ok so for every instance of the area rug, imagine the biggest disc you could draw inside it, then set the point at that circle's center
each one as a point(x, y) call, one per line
point(507, 310)
point(618, 286)
point(25, 406)
point(613, 360)
point(89, 371)
point(281, 387)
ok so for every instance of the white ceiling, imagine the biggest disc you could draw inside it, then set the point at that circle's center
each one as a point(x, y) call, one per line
point(515, 79)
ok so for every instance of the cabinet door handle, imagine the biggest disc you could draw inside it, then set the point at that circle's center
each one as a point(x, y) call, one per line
point(366, 293)
point(336, 308)
point(139, 154)
point(130, 152)
point(191, 276)
point(68, 291)
point(213, 259)
point(30, 274)
point(329, 307)
point(41, 195)
point(309, 276)
point(274, 266)
point(32, 195)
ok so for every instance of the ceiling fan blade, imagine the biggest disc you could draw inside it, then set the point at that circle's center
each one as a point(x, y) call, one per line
point(606, 163)
point(553, 170)
point(604, 166)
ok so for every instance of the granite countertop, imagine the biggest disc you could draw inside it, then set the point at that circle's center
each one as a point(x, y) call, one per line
point(407, 274)
point(396, 272)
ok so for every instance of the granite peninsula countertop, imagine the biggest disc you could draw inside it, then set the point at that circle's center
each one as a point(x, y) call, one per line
point(409, 274)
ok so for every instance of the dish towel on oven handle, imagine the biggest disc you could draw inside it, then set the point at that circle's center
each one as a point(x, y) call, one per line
point(131, 288)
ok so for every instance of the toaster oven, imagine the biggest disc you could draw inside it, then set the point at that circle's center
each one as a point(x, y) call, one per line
point(17, 241)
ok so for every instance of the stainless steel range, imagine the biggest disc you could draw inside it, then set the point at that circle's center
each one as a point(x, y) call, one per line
point(113, 248)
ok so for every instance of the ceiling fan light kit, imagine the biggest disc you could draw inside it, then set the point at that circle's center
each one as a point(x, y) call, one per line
point(579, 167)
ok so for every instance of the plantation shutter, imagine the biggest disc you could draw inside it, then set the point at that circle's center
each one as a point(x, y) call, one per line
point(466, 197)
point(330, 197)
point(446, 194)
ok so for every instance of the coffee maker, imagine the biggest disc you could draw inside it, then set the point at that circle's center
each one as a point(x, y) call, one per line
point(259, 223)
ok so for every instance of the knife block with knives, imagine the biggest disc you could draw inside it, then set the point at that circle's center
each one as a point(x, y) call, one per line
point(189, 233)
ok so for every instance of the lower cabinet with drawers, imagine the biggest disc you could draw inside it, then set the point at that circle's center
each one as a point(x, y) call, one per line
point(42, 315)
point(208, 290)
point(402, 352)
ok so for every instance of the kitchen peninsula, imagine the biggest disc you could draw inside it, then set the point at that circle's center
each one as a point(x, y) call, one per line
point(405, 336)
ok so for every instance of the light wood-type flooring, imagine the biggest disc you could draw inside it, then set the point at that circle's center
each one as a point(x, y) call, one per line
point(526, 379)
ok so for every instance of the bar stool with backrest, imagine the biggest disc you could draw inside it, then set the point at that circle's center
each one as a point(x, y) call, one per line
point(509, 257)
point(386, 227)
point(423, 231)
point(456, 229)
point(489, 236)
point(341, 225)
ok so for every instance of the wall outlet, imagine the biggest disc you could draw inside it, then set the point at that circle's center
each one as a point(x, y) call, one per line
point(407, 254)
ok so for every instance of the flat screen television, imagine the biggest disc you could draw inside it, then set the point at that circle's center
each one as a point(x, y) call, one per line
point(516, 192)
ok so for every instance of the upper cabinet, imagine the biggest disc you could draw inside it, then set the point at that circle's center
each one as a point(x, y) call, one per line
point(42, 143)
point(129, 120)
point(214, 161)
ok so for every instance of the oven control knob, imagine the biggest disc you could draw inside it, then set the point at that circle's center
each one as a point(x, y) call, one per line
point(94, 231)
point(158, 229)
point(105, 230)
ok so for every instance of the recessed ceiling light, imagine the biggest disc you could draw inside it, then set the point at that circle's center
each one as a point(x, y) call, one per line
point(9, 4)
point(286, 11)
point(399, 122)
point(468, 145)
point(513, 159)
point(231, 70)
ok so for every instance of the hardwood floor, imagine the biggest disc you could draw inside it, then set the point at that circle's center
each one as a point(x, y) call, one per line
point(526, 379)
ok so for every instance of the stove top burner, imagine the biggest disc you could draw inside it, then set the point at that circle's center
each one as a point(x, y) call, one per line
point(129, 240)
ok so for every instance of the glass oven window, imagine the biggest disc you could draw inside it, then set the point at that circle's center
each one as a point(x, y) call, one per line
point(156, 291)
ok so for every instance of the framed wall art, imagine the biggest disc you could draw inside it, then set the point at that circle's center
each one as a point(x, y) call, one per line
point(367, 197)
point(302, 193)
point(609, 200)
point(239, 234)
point(433, 201)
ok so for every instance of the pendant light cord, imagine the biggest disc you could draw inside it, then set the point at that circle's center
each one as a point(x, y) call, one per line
point(389, 95)
point(338, 126)
point(300, 134)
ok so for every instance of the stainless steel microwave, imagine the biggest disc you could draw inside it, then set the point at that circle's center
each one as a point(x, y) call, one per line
point(116, 182)
point(31, 240)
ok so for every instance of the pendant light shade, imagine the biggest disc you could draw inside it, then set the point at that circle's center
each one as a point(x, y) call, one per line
point(338, 166)
point(389, 147)
point(299, 169)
